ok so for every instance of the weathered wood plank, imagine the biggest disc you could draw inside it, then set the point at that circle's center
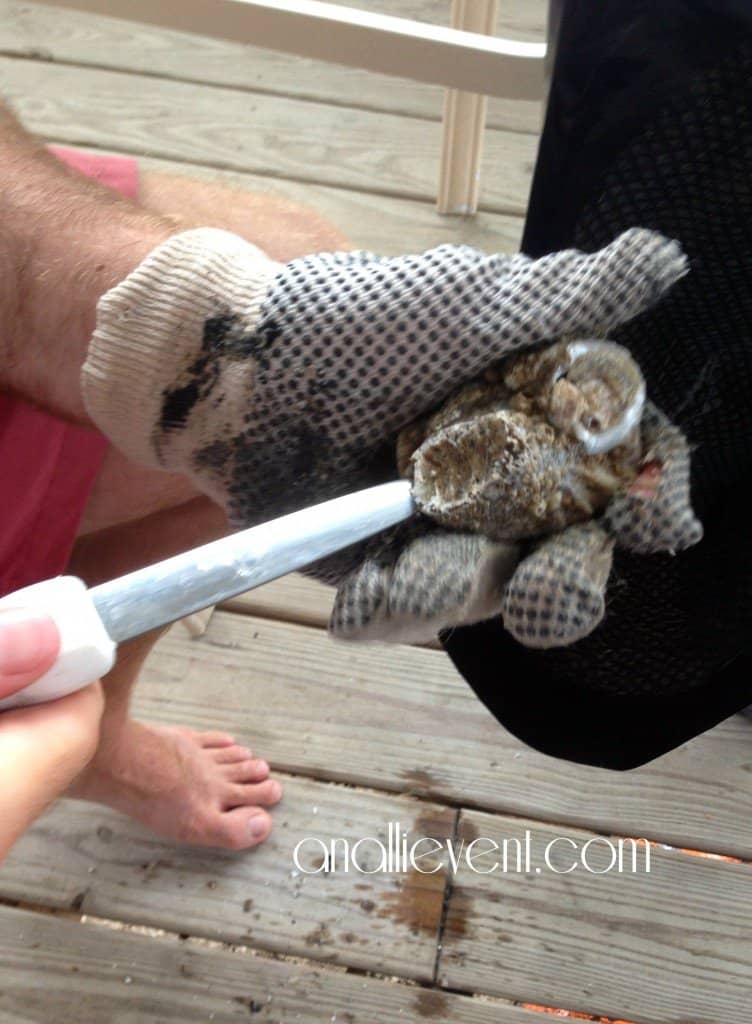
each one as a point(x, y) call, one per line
point(293, 598)
point(385, 224)
point(264, 134)
point(671, 945)
point(66, 971)
point(401, 718)
point(360, 39)
point(76, 38)
point(96, 861)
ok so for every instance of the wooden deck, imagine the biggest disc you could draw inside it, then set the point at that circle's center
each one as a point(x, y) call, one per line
point(100, 922)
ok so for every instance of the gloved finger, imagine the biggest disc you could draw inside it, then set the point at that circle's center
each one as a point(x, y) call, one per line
point(435, 581)
point(574, 293)
point(655, 512)
point(557, 594)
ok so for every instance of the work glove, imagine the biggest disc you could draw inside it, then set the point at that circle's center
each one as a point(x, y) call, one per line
point(415, 581)
point(277, 386)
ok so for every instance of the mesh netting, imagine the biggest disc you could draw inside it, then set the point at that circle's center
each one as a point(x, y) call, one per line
point(670, 623)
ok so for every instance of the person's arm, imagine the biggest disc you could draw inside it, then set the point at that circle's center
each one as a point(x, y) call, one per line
point(64, 241)
point(42, 748)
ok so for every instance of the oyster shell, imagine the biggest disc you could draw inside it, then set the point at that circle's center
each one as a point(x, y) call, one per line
point(516, 455)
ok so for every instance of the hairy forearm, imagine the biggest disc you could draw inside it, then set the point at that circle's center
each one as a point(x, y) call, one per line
point(64, 241)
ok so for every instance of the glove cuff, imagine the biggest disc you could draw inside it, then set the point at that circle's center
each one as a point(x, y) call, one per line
point(153, 328)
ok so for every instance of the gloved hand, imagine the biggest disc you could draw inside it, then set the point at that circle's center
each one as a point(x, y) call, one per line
point(418, 580)
point(274, 386)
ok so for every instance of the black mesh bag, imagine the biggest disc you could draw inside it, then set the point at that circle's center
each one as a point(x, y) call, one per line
point(650, 123)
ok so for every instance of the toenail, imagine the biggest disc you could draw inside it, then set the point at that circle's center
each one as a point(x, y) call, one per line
point(257, 825)
point(275, 791)
point(262, 766)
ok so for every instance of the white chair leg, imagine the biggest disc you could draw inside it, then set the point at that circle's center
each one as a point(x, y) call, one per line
point(464, 121)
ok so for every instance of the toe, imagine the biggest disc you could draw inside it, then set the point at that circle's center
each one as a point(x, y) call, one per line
point(252, 770)
point(263, 794)
point(242, 828)
point(215, 739)
point(246, 826)
point(231, 755)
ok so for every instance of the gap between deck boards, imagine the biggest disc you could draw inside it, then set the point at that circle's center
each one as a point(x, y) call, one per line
point(688, 920)
point(329, 100)
point(92, 957)
point(71, 37)
point(268, 135)
point(399, 719)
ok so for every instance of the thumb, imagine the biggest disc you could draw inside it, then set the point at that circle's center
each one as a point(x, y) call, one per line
point(29, 644)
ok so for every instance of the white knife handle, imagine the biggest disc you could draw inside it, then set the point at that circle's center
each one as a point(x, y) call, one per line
point(86, 650)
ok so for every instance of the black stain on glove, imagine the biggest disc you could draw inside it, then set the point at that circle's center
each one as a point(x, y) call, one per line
point(221, 339)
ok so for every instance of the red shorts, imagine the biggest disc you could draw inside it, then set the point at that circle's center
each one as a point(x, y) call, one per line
point(47, 466)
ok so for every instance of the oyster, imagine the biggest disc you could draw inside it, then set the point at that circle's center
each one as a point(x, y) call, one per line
point(520, 453)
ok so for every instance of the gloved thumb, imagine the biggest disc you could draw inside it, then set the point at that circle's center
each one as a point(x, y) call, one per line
point(29, 645)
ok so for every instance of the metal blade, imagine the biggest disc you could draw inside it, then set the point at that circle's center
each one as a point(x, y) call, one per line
point(168, 590)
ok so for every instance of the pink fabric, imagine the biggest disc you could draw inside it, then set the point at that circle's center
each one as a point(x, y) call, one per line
point(48, 466)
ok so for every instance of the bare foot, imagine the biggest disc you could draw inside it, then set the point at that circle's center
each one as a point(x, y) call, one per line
point(187, 786)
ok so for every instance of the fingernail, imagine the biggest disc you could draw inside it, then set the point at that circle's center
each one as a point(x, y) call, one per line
point(258, 825)
point(27, 639)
